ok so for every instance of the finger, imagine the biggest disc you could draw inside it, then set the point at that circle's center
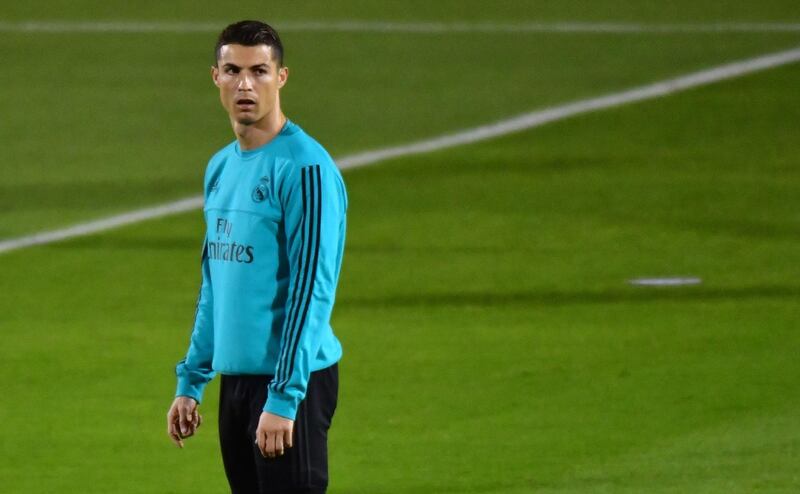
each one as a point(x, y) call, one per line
point(177, 431)
point(199, 420)
point(173, 434)
point(279, 444)
point(177, 440)
point(172, 416)
point(269, 448)
point(184, 420)
point(189, 427)
point(287, 436)
point(189, 423)
point(170, 429)
point(195, 420)
point(262, 443)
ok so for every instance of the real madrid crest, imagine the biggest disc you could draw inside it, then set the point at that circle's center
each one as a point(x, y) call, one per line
point(261, 191)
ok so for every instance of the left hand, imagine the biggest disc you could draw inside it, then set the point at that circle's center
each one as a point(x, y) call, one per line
point(273, 434)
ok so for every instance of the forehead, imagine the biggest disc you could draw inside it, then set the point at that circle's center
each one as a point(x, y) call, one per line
point(245, 56)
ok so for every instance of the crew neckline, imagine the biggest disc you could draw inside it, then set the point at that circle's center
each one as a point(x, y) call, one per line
point(249, 153)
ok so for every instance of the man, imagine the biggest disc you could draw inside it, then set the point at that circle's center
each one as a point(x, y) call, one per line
point(275, 207)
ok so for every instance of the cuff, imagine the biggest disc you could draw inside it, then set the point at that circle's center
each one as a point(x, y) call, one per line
point(186, 388)
point(281, 404)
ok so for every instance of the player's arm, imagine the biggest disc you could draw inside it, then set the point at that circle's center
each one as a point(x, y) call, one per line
point(314, 203)
point(194, 371)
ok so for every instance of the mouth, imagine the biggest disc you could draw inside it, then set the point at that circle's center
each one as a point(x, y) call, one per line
point(245, 103)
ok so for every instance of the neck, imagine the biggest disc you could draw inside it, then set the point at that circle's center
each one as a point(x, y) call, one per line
point(251, 136)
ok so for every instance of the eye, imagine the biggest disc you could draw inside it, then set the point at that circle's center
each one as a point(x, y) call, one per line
point(230, 70)
point(261, 71)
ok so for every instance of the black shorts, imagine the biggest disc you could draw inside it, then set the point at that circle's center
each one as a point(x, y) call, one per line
point(303, 468)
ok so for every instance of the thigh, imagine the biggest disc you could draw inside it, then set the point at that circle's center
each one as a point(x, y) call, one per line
point(304, 466)
point(237, 454)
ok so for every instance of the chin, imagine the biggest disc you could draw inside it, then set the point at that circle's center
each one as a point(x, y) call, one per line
point(245, 121)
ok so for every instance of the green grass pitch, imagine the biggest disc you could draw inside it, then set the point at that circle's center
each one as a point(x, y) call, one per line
point(492, 344)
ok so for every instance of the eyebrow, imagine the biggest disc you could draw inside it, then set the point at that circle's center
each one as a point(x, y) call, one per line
point(234, 66)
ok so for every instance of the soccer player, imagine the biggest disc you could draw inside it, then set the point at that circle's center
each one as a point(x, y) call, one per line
point(275, 207)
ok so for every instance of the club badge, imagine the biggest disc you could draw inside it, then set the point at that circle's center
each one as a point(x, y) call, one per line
point(261, 191)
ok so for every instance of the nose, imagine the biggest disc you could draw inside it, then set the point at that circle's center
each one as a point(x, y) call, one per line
point(245, 83)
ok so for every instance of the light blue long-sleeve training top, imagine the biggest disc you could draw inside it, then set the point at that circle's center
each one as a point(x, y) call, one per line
point(275, 232)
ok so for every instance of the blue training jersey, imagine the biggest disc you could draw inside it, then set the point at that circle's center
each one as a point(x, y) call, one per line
point(275, 231)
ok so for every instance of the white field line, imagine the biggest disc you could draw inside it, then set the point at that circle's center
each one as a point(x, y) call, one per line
point(671, 281)
point(467, 136)
point(64, 27)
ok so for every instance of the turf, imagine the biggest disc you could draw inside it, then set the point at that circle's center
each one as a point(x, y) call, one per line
point(101, 123)
point(492, 344)
point(415, 10)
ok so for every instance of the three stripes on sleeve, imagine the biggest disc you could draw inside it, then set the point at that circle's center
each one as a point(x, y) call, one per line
point(308, 257)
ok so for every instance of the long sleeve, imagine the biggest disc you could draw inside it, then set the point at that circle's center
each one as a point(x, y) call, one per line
point(314, 201)
point(195, 371)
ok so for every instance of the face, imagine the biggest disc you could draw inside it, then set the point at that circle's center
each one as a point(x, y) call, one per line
point(248, 78)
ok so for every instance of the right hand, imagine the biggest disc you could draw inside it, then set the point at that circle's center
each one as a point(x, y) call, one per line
point(183, 419)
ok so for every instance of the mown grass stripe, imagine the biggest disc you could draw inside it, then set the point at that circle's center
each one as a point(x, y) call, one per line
point(507, 126)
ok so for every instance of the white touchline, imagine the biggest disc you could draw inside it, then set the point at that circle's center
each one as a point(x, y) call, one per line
point(467, 136)
point(374, 26)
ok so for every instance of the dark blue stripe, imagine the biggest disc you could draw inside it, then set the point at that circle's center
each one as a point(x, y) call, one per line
point(281, 376)
point(291, 314)
point(306, 290)
point(313, 273)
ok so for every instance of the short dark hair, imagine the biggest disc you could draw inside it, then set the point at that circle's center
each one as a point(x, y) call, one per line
point(251, 33)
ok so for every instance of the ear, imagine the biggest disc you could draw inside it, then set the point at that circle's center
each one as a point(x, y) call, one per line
point(283, 75)
point(215, 75)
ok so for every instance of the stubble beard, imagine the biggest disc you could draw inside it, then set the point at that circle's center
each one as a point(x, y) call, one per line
point(246, 119)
